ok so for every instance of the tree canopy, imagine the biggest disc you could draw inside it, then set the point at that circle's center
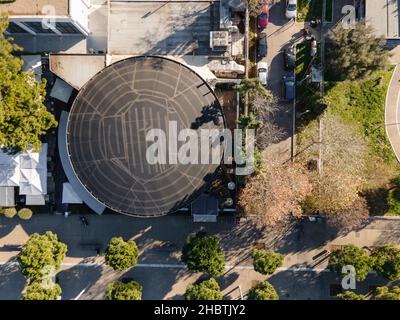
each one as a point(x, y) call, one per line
point(23, 116)
point(385, 293)
point(266, 261)
point(205, 290)
point(387, 262)
point(202, 253)
point(350, 295)
point(118, 290)
point(354, 52)
point(350, 255)
point(263, 290)
point(275, 194)
point(121, 255)
point(41, 255)
point(39, 291)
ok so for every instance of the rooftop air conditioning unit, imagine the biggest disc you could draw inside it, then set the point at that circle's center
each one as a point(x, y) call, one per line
point(219, 40)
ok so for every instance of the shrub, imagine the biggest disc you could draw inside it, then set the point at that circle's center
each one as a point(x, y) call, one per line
point(387, 262)
point(40, 291)
point(41, 255)
point(263, 291)
point(25, 213)
point(124, 291)
point(353, 256)
point(203, 253)
point(393, 200)
point(350, 295)
point(205, 290)
point(10, 212)
point(121, 255)
point(385, 293)
point(266, 261)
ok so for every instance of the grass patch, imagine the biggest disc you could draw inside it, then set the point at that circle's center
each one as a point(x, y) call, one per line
point(308, 10)
point(363, 102)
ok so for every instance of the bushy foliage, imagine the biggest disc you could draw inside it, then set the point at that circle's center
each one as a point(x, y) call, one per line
point(350, 295)
point(266, 261)
point(25, 213)
point(124, 291)
point(10, 212)
point(121, 255)
point(353, 256)
point(387, 262)
point(205, 290)
point(41, 291)
point(23, 116)
point(263, 290)
point(385, 293)
point(41, 255)
point(203, 253)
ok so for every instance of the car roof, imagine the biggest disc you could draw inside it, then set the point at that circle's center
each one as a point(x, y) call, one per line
point(262, 64)
point(292, 1)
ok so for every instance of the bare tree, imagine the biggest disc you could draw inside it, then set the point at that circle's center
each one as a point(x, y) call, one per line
point(276, 193)
point(265, 108)
point(344, 154)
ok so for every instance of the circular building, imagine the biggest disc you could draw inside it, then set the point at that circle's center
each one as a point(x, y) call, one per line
point(108, 135)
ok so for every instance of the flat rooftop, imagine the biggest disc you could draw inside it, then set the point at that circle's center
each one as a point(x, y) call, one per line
point(383, 16)
point(162, 28)
point(34, 7)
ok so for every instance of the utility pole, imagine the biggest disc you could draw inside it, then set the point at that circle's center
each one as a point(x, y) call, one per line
point(321, 87)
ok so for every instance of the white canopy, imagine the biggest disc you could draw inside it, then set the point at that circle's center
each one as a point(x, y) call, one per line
point(26, 170)
point(69, 195)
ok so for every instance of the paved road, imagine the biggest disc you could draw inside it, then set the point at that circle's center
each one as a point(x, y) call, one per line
point(280, 33)
point(160, 240)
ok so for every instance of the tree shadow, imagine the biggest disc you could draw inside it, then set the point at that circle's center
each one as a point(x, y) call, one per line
point(12, 281)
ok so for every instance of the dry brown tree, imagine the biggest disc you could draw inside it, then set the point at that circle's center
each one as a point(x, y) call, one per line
point(276, 193)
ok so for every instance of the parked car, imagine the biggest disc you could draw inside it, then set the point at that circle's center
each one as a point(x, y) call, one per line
point(288, 87)
point(263, 17)
point(291, 9)
point(262, 48)
point(290, 58)
point(313, 47)
point(262, 69)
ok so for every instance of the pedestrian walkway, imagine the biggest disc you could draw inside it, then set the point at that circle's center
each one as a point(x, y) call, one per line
point(392, 122)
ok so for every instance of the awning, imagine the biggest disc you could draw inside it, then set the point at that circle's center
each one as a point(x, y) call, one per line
point(69, 195)
point(36, 200)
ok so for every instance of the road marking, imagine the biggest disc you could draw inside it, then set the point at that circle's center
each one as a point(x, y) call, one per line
point(174, 266)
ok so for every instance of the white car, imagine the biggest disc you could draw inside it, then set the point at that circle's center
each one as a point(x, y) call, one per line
point(262, 69)
point(291, 9)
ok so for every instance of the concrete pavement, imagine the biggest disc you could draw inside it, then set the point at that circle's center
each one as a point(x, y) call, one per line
point(160, 240)
point(392, 120)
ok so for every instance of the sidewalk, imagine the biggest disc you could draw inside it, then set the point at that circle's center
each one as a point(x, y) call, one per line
point(392, 122)
point(160, 241)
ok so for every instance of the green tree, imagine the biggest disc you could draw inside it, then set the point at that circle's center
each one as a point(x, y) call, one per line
point(121, 255)
point(124, 291)
point(354, 52)
point(353, 256)
point(23, 116)
point(10, 212)
point(263, 290)
point(266, 261)
point(205, 290)
point(41, 255)
point(350, 295)
point(203, 253)
point(25, 213)
point(254, 88)
point(387, 262)
point(385, 293)
point(39, 291)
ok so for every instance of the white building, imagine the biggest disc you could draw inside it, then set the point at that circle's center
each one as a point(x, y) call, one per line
point(47, 17)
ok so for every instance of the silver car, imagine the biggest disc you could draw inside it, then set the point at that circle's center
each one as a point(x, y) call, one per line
point(262, 69)
point(291, 9)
